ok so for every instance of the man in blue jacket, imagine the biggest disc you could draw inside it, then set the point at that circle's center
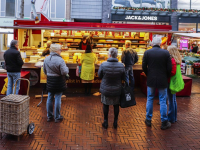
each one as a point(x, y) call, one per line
point(13, 65)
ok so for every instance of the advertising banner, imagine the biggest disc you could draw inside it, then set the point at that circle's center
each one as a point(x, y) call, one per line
point(142, 3)
point(42, 6)
point(183, 44)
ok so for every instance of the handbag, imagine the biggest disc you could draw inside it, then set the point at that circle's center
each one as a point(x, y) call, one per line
point(176, 82)
point(127, 97)
point(78, 71)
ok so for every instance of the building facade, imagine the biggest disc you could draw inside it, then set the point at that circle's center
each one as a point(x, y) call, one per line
point(102, 11)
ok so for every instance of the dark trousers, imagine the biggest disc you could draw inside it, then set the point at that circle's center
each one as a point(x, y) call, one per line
point(106, 110)
point(88, 87)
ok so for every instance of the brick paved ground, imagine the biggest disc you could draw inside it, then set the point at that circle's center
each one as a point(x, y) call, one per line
point(81, 127)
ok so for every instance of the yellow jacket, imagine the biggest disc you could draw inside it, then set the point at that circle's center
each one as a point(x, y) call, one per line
point(4, 89)
point(88, 66)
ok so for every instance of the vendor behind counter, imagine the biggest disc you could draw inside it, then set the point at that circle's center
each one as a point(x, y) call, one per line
point(83, 44)
point(47, 51)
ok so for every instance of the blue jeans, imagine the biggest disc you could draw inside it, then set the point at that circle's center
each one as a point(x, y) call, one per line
point(129, 76)
point(172, 112)
point(57, 105)
point(12, 78)
point(163, 105)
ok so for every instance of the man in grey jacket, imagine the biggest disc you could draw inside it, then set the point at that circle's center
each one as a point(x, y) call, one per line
point(56, 70)
point(129, 58)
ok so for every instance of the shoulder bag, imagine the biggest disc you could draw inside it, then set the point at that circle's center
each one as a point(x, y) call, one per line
point(127, 97)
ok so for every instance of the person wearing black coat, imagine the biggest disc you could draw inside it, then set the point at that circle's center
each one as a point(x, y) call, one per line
point(112, 73)
point(14, 62)
point(83, 44)
point(194, 48)
point(157, 67)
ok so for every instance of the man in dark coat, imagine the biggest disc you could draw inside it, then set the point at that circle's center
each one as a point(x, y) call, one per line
point(14, 64)
point(157, 67)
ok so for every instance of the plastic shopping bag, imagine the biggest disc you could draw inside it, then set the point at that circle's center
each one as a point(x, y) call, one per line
point(176, 82)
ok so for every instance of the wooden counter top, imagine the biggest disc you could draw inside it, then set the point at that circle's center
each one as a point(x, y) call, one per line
point(28, 49)
point(71, 66)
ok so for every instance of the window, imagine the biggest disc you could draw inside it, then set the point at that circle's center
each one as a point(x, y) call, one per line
point(58, 9)
point(27, 9)
point(195, 4)
point(187, 27)
point(183, 4)
point(198, 27)
point(2, 8)
point(188, 4)
point(142, 3)
point(10, 8)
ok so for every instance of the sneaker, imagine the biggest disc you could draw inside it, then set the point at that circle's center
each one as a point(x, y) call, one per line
point(148, 122)
point(165, 125)
point(59, 119)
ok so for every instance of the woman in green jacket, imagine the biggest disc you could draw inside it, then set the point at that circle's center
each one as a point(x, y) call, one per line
point(88, 60)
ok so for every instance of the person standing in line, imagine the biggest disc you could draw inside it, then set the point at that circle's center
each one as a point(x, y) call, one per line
point(56, 70)
point(175, 59)
point(88, 60)
point(13, 63)
point(112, 73)
point(129, 58)
point(157, 66)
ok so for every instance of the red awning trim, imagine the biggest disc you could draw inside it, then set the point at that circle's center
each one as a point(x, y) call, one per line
point(89, 26)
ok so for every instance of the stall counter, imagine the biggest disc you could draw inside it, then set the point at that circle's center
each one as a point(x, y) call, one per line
point(74, 80)
point(72, 66)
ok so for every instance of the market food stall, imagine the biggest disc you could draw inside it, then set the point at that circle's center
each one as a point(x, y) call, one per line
point(191, 60)
point(33, 38)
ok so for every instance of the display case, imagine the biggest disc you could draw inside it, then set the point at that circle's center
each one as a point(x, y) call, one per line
point(69, 40)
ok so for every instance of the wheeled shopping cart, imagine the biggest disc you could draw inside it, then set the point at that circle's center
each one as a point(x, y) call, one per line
point(14, 113)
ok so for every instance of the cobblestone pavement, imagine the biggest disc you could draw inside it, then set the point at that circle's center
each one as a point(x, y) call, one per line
point(81, 127)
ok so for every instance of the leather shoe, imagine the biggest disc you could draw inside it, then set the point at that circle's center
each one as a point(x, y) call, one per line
point(59, 119)
point(49, 119)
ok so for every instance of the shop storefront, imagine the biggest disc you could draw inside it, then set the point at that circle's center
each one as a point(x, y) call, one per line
point(189, 22)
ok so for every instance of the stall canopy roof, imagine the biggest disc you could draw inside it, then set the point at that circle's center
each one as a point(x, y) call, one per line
point(193, 35)
point(54, 25)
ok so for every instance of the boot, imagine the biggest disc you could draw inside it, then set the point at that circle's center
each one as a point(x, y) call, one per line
point(115, 123)
point(105, 124)
point(165, 125)
point(86, 87)
point(89, 89)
